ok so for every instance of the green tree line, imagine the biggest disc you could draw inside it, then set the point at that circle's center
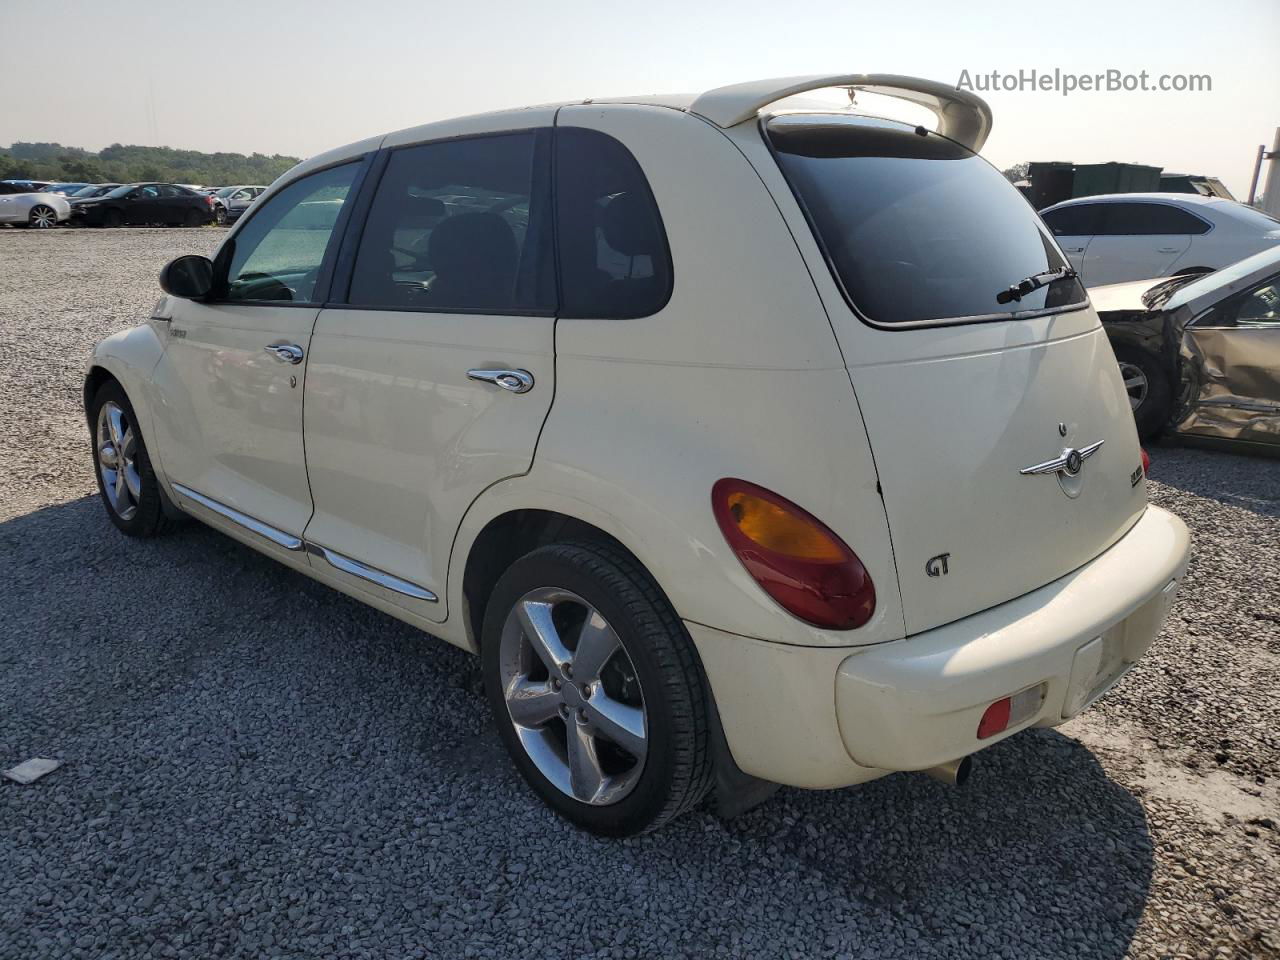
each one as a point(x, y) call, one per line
point(119, 163)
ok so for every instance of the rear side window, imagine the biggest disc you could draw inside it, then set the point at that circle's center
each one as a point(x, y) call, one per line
point(614, 259)
point(1078, 220)
point(916, 228)
point(1148, 219)
point(460, 226)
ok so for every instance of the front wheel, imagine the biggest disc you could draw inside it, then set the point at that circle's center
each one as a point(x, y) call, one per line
point(596, 689)
point(128, 486)
point(220, 216)
point(42, 217)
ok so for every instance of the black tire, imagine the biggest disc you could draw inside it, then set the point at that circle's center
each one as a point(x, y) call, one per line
point(678, 769)
point(1156, 406)
point(220, 216)
point(150, 518)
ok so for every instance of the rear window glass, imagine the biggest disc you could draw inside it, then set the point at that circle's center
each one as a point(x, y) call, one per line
point(916, 228)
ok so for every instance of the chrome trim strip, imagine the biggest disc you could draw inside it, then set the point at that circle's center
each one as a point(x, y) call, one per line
point(358, 569)
point(278, 537)
point(1060, 463)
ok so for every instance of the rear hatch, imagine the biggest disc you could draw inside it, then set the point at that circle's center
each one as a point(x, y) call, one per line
point(959, 392)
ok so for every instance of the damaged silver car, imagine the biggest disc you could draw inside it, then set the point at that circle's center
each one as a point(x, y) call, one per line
point(1200, 355)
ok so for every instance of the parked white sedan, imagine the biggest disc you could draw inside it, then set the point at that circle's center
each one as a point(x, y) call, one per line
point(34, 209)
point(1134, 236)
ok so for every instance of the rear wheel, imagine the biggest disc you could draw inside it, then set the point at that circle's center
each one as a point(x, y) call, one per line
point(129, 488)
point(42, 217)
point(596, 689)
point(1150, 395)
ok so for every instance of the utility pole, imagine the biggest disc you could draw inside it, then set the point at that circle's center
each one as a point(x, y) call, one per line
point(1271, 190)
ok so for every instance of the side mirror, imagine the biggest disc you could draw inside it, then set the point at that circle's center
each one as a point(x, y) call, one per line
point(190, 277)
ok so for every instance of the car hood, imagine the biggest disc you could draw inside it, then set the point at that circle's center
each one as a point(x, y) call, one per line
point(1122, 297)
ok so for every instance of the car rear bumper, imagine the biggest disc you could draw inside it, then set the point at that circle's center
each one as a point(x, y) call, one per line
point(813, 717)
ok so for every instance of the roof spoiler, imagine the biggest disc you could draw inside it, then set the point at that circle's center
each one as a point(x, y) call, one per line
point(962, 116)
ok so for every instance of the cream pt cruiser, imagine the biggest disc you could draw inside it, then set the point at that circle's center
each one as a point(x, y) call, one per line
point(745, 446)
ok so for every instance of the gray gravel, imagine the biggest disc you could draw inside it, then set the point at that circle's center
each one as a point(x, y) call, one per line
point(256, 766)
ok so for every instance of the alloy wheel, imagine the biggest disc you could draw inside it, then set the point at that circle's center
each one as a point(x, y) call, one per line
point(1135, 384)
point(43, 217)
point(117, 460)
point(573, 696)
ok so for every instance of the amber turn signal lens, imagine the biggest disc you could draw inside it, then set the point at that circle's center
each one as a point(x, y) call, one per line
point(796, 558)
point(773, 527)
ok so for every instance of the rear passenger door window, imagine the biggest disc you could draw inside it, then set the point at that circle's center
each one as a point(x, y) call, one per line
point(459, 226)
point(1149, 219)
point(614, 258)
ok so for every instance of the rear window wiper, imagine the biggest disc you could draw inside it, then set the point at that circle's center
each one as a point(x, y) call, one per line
point(1034, 283)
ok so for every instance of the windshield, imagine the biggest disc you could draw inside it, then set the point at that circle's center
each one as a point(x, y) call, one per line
point(227, 191)
point(64, 189)
point(121, 191)
point(916, 228)
point(94, 190)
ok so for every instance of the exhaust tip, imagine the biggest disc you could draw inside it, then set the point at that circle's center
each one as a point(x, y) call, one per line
point(955, 773)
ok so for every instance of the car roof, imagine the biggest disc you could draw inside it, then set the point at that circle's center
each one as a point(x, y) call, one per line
point(1193, 199)
point(961, 116)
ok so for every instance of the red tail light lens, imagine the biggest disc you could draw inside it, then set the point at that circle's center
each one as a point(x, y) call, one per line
point(1146, 462)
point(798, 561)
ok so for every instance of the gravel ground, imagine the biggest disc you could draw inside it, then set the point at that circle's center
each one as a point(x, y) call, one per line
point(256, 766)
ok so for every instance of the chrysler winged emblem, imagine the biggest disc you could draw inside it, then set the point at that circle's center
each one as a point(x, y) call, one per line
point(1068, 463)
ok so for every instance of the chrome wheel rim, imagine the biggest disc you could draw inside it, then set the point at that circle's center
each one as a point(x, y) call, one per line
point(1135, 384)
point(43, 217)
point(573, 696)
point(117, 449)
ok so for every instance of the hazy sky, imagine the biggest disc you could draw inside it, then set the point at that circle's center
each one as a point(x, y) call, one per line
point(298, 77)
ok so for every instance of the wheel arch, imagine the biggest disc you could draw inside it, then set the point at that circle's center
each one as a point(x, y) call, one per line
point(491, 545)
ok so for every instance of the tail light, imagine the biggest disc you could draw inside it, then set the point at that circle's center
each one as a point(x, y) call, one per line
point(209, 200)
point(798, 561)
point(1146, 462)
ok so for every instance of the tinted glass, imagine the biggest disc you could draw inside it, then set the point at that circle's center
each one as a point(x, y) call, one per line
point(458, 225)
point(916, 227)
point(278, 253)
point(1148, 219)
point(1079, 220)
point(614, 260)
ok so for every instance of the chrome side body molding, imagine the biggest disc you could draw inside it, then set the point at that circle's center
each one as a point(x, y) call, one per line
point(290, 542)
point(365, 572)
point(278, 537)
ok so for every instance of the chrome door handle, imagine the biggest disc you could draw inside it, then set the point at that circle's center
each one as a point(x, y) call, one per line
point(1168, 250)
point(285, 352)
point(516, 381)
point(1074, 249)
